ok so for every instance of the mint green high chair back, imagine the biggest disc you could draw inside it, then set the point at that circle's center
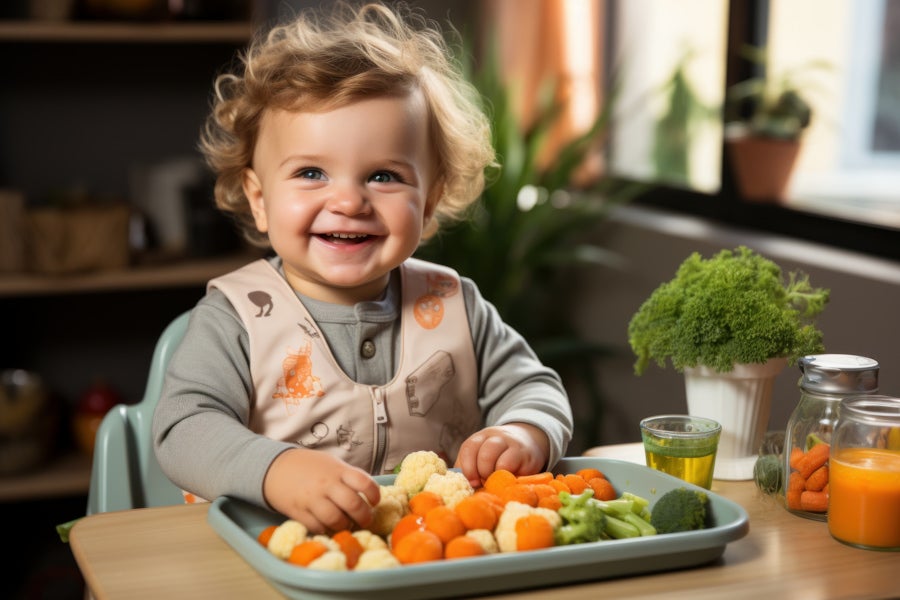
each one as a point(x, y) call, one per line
point(125, 473)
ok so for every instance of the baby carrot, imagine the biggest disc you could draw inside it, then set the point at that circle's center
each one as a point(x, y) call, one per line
point(519, 492)
point(814, 458)
point(544, 477)
point(266, 534)
point(818, 479)
point(533, 532)
point(559, 485)
point(814, 501)
point(495, 501)
point(551, 502)
point(576, 483)
point(796, 482)
point(498, 480)
point(589, 473)
point(463, 546)
point(418, 546)
point(424, 501)
point(307, 551)
point(349, 545)
point(477, 512)
point(603, 489)
point(444, 523)
point(406, 525)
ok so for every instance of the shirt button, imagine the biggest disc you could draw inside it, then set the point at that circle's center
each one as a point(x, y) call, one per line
point(368, 349)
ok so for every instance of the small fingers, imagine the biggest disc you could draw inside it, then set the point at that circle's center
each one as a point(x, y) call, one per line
point(488, 455)
point(467, 459)
point(330, 516)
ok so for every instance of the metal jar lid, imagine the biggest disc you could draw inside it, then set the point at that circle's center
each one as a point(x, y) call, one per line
point(839, 374)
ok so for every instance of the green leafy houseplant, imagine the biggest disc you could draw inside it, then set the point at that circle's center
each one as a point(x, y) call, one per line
point(733, 308)
point(771, 105)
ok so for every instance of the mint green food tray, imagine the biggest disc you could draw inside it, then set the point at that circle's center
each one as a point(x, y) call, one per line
point(239, 524)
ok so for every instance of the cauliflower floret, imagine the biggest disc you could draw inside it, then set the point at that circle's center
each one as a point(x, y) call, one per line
point(416, 468)
point(451, 486)
point(377, 558)
point(394, 503)
point(505, 532)
point(486, 538)
point(327, 541)
point(285, 537)
point(333, 560)
point(368, 540)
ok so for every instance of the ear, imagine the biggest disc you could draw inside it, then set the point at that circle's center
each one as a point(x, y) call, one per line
point(253, 190)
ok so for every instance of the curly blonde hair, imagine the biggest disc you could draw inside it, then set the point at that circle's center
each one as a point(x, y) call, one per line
point(320, 62)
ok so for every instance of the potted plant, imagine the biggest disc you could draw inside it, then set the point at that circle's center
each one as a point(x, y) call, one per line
point(730, 323)
point(765, 118)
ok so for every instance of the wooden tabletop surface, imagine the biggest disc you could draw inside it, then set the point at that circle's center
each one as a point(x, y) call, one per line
point(171, 552)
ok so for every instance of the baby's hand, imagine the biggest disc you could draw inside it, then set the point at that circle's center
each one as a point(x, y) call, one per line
point(319, 490)
point(517, 447)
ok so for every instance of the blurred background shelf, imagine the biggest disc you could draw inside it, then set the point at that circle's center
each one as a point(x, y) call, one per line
point(125, 32)
point(65, 475)
point(189, 272)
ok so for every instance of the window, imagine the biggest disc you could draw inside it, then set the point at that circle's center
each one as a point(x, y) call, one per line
point(669, 59)
point(850, 164)
point(849, 167)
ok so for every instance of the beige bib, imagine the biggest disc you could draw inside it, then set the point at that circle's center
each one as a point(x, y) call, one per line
point(303, 396)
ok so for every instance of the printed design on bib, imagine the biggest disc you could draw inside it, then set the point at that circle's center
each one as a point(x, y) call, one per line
point(297, 382)
point(429, 307)
point(318, 431)
point(347, 438)
point(423, 386)
point(423, 392)
point(263, 300)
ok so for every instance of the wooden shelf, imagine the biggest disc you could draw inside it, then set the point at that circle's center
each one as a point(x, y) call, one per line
point(177, 274)
point(126, 32)
point(67, 475)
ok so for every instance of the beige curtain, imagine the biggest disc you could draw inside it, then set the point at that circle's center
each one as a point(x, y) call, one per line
point(552, 42)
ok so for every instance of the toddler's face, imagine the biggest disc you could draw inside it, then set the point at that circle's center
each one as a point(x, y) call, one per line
point(343, 193)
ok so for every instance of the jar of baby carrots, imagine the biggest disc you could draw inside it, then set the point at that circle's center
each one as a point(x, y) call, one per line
point(826, 380)
point(864, 502)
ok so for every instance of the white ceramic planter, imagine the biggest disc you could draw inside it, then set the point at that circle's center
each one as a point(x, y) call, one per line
point(741, 400)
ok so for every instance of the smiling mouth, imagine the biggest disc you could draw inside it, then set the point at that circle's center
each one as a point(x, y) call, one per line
point(345, 238)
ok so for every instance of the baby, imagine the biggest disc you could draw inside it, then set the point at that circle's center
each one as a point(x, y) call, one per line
point(342, 143)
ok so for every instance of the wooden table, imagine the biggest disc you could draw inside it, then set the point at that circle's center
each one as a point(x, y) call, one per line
point(172, 553)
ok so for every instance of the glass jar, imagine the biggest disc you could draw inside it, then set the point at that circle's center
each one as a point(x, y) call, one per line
point(826, 380)
point(865, 474)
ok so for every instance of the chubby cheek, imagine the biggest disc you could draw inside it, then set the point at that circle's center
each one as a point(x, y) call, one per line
point(291, 217)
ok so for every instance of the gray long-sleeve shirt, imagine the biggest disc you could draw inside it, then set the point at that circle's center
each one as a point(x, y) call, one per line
point(200, 429)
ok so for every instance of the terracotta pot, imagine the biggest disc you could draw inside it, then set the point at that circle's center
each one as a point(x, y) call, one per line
point(762, 166)
point(741, 401)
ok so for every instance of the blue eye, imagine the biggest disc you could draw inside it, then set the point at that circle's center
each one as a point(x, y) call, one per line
point(310, 174)
point(385, 177)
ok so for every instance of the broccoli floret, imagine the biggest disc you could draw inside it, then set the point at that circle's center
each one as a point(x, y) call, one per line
point(583, 519)
point(680, 509)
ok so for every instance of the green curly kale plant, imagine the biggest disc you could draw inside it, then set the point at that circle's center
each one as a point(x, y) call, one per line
point(734, 308)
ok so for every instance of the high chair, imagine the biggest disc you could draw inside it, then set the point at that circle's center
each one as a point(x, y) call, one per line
point(125, 473)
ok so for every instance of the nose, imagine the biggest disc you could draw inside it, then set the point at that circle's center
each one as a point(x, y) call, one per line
point(348, 199)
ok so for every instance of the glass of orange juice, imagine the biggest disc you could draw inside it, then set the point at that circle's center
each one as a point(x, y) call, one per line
point(682, 445)
point(864, 473)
